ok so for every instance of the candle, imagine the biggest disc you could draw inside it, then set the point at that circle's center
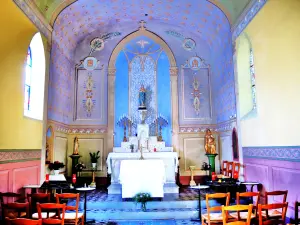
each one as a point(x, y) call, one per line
point(74, 178)
point(47, 178)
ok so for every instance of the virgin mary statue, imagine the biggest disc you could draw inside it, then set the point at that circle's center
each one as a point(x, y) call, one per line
point(142, 97)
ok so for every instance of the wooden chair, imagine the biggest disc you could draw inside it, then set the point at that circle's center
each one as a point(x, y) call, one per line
point(272, 220)
point(236, 168)
point(35, 198)
point(244, 215)
point(274, 213)
point(224, 167)
point(19, 221)
point(237, 209)
point(71, 217)
point(229, 170)
point(214, 218)
point(11, 197)
point(15, 210)
point(46, 208)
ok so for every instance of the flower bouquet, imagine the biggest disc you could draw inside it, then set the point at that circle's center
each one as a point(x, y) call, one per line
point(143, 198)
point(56, 166)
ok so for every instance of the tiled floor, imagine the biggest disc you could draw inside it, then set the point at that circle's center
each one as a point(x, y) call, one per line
point(152, 222)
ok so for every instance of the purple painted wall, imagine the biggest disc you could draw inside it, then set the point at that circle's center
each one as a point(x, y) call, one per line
point(277, 168)
point(60, 85)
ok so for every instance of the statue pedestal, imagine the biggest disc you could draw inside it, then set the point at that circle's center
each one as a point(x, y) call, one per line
point(74, 162)
point(211, 162)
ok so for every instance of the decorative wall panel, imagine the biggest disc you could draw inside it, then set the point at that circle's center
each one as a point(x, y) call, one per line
point(90, 96)
point(4, 180)
point(91, 145)
point(226, 148)
point(194, 152)
point(60, 150)
point(275, 175)
point(195, 97)
point(18, 178)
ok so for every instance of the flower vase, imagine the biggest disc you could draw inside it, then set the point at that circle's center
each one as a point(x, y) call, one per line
point(94, 165)
point(56, 172)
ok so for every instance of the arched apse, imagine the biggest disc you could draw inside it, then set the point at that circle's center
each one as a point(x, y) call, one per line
point(141, 58)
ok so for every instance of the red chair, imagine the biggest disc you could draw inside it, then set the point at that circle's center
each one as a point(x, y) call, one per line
point(35, 198)
point(46, 208)
point(19, 221)
point(71, 217)
point(15, 210)
point(272, 220)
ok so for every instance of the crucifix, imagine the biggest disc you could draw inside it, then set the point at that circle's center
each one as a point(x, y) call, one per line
point(142, 25)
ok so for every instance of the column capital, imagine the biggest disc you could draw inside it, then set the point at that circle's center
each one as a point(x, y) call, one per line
point(174, 71)
point(111, 71)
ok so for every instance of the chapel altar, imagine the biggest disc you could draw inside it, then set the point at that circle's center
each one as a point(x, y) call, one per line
point(142, 159)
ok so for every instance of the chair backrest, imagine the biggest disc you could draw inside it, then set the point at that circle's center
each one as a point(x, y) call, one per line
point(236, 167)
point(229, 169)
point(224, 167)
point(236, 208)
point(276, 193)
point(268, 220)
point(297, 204)
point(248, 195)
point(48, 207)
point(6, 196)
point(35, 198)
point(20, 221)
point(15, 209)
point(68, 196)
point(221, 196)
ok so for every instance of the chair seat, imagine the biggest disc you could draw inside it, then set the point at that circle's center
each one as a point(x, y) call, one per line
point(72, 215)
point(272, 213)
point(44, 215)
point(243, 215)
point(215, 217)
point(12, 215)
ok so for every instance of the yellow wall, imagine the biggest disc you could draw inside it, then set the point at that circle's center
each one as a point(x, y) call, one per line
point(16, 131)
point(275, 38)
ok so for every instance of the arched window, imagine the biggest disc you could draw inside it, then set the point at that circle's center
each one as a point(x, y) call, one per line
point(246, 77)
point(34, 79)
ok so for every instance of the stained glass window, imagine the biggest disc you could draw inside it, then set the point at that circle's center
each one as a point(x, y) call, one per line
point(34, 79)
point(28, 80)
point(252, 73)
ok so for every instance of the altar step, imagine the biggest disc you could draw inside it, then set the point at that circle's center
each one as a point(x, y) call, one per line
point(156, 210)
point(169, 188)
point(104, 215)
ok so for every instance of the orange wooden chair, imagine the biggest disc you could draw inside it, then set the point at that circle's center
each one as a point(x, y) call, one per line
point(236, 168)
point(15, 210)
point(229, 170)
point(19, 221)
point(275, 212)
point(45, 208)
point(244, 215)
point(272, 220)
point(213, 217)
point(71, 217)
point(224, 167)
point(237, 209)
point(35, 198)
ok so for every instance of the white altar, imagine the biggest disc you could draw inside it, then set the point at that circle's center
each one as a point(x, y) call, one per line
point(170, 160)
point(148, 178)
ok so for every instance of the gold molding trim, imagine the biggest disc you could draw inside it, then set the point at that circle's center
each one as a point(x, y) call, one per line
point(141, 31)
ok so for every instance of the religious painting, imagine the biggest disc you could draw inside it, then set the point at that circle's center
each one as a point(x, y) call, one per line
point(90, 63)
point(188, 44)
point(195, 63)
point(235, 147)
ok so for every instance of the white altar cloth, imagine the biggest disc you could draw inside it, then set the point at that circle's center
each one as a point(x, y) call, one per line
point(142, 176)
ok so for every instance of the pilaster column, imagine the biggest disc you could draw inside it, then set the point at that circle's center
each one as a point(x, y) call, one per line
point(111, 108)
point(174, 102)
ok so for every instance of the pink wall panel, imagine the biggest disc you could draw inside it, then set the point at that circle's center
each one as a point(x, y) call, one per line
point(15, 175)
point(4, 180)
point(276, 175)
